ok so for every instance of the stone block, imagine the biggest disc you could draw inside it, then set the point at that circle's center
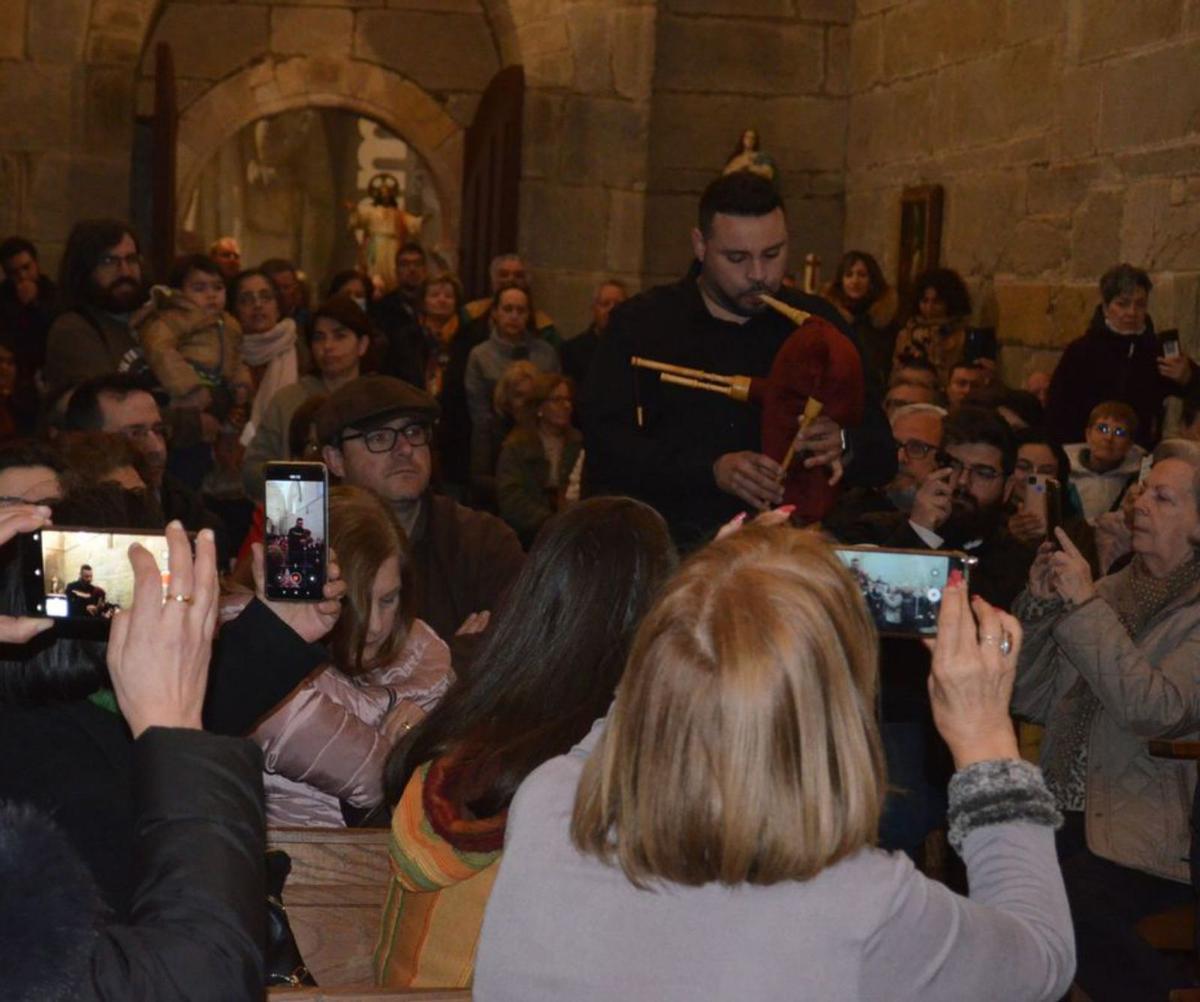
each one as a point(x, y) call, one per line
point(1176, 303)
point(697, 131)
point(1147, 99)
point(589, 29)
point(36, 102)
point(544, 34)
point(1058, 189)
point(733, 8)
point(1040, 315)
point(1157, 235)
point(57, 29)
point(462, 108)
point(1114, 26)
point(980, 210)
point(872, 223)
point(633, 58)
point(1096, 233)
point(751, 57)
point(866, 53)
point(301, 30)
point(1173, 160)
point(1079, 112)
point(11, 192)
point(1030, 19)
point(603, 141)
point(837, 61)
point(438, 51)
point(815, 226)
point(626, 226)
point(540, 131)
point(863, 8)
point(1035, 247)
point(108, 109)
point(550, 69)
point(12, 29)
point(440, 6)
point(564, 224)
point(209, 41)
point(826, 11)
point(670, 218)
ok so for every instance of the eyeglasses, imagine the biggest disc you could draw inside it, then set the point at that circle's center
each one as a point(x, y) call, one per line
point(250, 298)
point(984, 474)
point(1116, 430)
point(384, 439)
point(115, 260)
point(914, 448)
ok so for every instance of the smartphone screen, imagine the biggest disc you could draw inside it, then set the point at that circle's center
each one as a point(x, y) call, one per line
point(83, 575)
point(903, 588)
point(1169, 340)
point(296, 514)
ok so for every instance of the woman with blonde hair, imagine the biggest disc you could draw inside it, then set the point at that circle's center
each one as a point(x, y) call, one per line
point(326, 745)
point(714, 836)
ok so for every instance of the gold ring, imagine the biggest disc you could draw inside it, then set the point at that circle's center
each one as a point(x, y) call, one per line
point(186, 599)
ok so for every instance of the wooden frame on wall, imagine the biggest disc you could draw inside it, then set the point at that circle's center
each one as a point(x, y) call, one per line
point(920, 234)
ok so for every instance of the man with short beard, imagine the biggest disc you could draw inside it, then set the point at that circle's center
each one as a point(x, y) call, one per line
point(697, 456)
point(101, 281)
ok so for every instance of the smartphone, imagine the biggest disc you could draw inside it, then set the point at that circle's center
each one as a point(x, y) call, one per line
point(296, 550)
point(81, 576)
point(1043, 495)
point(1169, 340)
point(903, 588)
point(980, 342)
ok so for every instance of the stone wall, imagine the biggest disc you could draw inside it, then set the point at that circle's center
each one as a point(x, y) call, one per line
point(721, 66)
point(1066, 134)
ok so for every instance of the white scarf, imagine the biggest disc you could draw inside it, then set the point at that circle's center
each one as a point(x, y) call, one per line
point(276, 349)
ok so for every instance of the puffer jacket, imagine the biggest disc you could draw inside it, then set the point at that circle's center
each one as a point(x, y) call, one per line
point(1137, 806)
point(187, 347)
point(1102, 492)
point(329, 740)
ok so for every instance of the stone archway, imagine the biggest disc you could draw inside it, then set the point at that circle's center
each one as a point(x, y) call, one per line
point(117, 30)
point(276, 85)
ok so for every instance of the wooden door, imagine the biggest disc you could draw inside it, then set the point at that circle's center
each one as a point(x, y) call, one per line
point(491, 179)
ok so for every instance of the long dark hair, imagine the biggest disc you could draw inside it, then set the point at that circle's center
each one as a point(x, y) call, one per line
point(87, 242)
point(554, 657)
point(878, 284)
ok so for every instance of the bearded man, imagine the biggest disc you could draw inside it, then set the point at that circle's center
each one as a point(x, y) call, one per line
point(696, 456)
point(101, 281)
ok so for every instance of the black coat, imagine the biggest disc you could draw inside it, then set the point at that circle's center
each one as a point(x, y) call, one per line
point(667, 461)
point(74, 760)
point(196, 927)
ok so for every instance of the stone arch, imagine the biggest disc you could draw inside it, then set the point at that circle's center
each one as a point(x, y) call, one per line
point(276, 85)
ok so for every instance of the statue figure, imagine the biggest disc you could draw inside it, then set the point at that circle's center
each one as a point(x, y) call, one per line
point(748, 155)
point(382, 226)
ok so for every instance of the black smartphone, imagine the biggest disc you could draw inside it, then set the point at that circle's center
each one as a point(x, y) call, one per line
point(296, 510)
point(903, 588)
point(81, 576)
point(1169, 342)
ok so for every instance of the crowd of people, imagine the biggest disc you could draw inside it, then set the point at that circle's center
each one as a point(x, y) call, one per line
point(583, 645)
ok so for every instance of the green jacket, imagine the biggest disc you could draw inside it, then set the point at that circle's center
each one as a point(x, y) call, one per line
point(521, 475)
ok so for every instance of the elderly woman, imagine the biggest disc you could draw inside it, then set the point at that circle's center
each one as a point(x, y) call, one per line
point(714, 837)
point(1120, 357)
point(538, 457)
point(1107, 666)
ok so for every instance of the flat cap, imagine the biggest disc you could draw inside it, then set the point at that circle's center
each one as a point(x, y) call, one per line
point(371, 400)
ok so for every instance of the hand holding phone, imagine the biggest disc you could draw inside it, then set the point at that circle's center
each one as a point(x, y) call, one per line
point(903, 588)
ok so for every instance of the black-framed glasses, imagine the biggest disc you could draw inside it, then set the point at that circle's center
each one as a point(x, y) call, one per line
point(384, 439)
point(914, 448)
point(1116, 430)
point(116, 260)
point(984, 474)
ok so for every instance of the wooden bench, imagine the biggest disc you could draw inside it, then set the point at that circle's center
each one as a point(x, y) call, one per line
point(370, 994)
point(334, 899)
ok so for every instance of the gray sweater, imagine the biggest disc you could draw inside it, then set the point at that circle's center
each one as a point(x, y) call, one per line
point(561, 925)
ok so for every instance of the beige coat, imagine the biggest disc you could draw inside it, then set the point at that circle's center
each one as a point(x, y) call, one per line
point(1137, 806)
point(187, 347)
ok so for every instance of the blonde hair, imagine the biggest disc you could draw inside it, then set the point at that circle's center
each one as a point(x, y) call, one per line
point(502, 395)
point(742, 746)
